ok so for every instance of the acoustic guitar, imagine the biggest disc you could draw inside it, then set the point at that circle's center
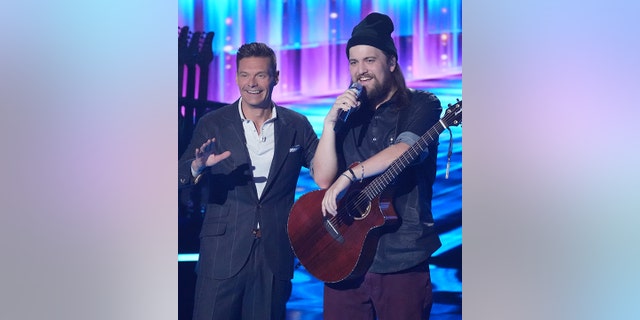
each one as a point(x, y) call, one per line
point(341, 247)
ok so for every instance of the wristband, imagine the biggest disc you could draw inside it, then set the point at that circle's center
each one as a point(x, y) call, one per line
point(353, 175)
point(346, 177)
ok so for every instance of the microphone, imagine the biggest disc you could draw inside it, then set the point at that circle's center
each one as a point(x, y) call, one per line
point(344, 115)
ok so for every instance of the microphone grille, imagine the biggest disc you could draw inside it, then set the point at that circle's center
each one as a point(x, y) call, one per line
point(358, 87)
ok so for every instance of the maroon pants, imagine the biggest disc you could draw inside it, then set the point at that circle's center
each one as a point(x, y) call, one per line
point(403, 295)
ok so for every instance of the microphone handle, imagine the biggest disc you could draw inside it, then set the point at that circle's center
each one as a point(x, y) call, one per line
point(342, 119)
point(344, 115)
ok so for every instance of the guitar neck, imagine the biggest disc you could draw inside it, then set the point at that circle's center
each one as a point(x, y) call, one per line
point(397, 166)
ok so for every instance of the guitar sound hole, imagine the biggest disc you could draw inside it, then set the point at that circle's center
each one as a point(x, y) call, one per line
point(357, 209)
point(362, 213)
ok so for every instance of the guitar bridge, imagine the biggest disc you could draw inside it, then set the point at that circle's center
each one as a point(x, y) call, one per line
point(332, 231)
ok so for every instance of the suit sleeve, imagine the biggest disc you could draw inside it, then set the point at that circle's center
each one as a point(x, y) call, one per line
point(185, 178)
point(310, 142)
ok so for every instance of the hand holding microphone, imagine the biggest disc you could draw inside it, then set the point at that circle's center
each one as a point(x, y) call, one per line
point(344, 115)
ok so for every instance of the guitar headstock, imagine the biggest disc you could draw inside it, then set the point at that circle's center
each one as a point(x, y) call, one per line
point(205, 55)
point(193, 48)
point(453, 114)
point(183, 40)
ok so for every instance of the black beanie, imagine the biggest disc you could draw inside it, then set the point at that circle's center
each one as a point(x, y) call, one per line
point(375, 30)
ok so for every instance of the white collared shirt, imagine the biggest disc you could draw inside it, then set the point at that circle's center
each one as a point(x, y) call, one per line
point(260, 146)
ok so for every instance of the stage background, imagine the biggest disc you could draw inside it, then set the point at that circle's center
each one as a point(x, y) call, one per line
point(89, 187)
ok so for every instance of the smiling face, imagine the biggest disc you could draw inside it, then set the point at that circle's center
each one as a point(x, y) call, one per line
point(370, 67)
point(256, 79)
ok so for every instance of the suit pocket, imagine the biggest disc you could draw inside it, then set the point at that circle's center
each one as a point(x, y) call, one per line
point(213, 229)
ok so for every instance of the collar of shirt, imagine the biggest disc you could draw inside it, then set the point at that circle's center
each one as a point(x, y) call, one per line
point(260, 146)
point(273, 111)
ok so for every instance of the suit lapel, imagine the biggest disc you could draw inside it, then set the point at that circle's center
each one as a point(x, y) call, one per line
point(239, 152)
point(283, 141)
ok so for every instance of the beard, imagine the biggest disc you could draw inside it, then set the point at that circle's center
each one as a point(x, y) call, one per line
point(378, 92)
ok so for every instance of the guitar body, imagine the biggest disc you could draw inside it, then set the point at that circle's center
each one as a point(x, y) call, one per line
point(342, 247)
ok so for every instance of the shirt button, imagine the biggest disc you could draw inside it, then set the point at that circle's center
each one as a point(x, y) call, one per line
point(374, 139)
